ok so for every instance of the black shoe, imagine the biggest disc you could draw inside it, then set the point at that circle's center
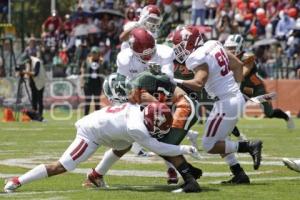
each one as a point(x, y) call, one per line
point(240, 178)
point(196, 172)
point(191, 186)
point(255, 152)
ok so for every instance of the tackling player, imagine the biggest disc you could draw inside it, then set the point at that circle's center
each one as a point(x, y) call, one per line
point(253, 85)
point(217, 70)
point(117, 127)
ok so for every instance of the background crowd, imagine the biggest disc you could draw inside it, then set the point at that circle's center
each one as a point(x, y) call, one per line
point(270, 27)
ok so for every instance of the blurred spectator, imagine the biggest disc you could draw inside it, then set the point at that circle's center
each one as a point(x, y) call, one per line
point(92, 72)
point(130, 15)
point(198, 11)
point(37, 81)
point(109, 4)
point(284, 25)
point(225, 28)
point(2, 69)
point(8, 57)
point(4, 11)
point(211, 10)
point(32, 48)
point(54, 21)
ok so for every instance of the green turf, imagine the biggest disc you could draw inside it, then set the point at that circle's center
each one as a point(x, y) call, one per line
point(45, 142)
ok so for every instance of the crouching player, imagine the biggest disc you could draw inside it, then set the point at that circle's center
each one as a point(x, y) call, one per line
point(117, 127)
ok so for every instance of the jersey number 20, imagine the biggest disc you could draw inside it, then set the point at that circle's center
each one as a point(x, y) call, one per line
point(222, 61)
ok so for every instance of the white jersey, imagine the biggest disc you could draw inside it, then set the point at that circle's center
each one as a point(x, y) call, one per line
point(130, 66)
point(122, 125)
point(220, 82)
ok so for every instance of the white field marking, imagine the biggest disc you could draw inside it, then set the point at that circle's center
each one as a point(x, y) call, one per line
point(55, 141)
point(36, 193)
point(284, 178)
point(5, 176)
point(22, 129)
point(17, 194)
point(131, 158)
point(147, 173)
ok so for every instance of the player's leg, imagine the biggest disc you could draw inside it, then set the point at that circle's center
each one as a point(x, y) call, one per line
point(239, 175)
point(95, 178)
point(236, 132)
point(188, 173)
point(183, 118)
point(80, 150)
point(292, 164)
point(221, 121)
point(274, 113)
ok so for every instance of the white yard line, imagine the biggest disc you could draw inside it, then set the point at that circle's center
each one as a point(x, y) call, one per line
point(20, 194)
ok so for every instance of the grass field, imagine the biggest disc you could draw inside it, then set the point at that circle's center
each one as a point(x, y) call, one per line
point(24, 145)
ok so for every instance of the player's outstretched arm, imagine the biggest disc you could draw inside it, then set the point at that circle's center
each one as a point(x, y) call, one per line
point(236, 66)
point(200, 78)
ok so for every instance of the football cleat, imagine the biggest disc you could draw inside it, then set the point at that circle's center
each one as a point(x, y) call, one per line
point(192, 136)
point(242, 137)
point(291, 164)
point(255, 152)
point(172, 176)
point(191, 186)
point(197, 173)
point(11, 185)
point(240, 178)
point(290, 122)
point(94, 180)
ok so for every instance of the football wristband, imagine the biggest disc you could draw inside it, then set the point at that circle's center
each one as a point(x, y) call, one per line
point(178, 81)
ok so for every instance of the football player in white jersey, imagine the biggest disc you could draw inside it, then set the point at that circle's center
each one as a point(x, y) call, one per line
point(117, 127)
point(142, 53)
point(150, 19)
point(218, 71)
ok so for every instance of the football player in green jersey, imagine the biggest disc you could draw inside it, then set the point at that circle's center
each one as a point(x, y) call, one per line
point(253, 85)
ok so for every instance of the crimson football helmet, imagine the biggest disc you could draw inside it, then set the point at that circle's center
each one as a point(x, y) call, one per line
point(185, 41)
point(158, 119)
point(151, 18)
point(142, 44)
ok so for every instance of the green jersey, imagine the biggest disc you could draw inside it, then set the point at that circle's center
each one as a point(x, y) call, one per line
point(252, 79)
point(153, 83)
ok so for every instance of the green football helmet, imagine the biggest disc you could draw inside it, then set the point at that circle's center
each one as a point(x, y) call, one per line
point(234, 42)
point(116, 88)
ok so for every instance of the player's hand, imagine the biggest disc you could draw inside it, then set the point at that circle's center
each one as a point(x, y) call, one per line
point(190, 150)
point(142, 21)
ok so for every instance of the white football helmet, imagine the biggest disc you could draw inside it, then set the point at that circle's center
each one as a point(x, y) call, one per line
point(235, 43)
point(150, 18)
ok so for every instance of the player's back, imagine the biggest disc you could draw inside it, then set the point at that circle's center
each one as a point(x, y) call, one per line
point(220, 82)
point(109, 123)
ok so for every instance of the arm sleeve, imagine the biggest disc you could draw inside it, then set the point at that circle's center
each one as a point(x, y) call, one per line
point(37, 68)
point(195, 60)
point(123, 64)
point(154, 145)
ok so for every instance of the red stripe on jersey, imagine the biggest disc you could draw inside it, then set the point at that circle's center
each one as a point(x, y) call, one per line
point(217, 125)
point(211, 125)
point(77, 148)
point(80, 152)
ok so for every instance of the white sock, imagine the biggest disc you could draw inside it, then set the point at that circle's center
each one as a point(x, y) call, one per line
point(107, 161)
point(231, 147)
point(297, 162)
point(169, 165)
point(36, 173)
point(231, 159)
